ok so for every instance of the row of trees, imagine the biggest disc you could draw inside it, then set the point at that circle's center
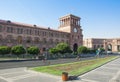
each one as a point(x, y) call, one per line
point(61, 48)
point(65, 48)
point(18, 50)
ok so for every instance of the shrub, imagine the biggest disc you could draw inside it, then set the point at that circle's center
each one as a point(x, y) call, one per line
point(18, 50)
point(63, 48)
point(82, 50)
point(53, 50)
point(5, 50)
point(33, 50)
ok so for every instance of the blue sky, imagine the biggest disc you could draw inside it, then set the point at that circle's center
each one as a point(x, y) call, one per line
point(99, 18)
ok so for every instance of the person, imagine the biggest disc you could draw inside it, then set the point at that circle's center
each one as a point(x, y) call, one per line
point(98, 52)
point(44, 58)
point(78, 57)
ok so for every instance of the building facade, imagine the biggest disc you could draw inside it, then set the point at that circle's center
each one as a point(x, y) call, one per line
point(69, 31)
point(108, 44)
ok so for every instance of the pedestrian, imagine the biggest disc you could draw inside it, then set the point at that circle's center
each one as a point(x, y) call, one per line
point(98, 52)
point(78, 57)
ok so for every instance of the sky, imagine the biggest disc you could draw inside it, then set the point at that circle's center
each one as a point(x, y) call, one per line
point(99, 18)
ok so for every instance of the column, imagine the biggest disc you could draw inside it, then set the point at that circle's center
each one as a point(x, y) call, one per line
point(69, 21)
point(78, 22)
point(73, 22)
point(62, 22)
point(65, 22)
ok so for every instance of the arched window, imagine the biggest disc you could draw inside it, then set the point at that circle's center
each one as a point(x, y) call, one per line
point(94, 46)
point(44, 40)
point(19, 39)
point(109, 47)
point(51, 41)
point(28, 40)
point(98, 46)
point(1, 37)
point(62, 41)
point(0, 28)
point(36, 40)
point(56, 41)
point(9, 38)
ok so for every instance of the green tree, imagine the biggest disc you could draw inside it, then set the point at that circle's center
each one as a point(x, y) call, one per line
point(5, 50)
point(102, 49)
point(53, 50)
point(33, 50)
point(18, 50)
point(63, 48)
point(82, 50)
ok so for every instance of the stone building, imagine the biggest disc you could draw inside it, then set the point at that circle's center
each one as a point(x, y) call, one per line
point(108, 44)
point(69, 31)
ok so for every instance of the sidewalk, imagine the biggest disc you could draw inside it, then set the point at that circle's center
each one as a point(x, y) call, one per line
point(109, 72)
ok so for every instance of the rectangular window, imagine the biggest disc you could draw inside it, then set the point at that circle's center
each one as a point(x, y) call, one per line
point(19, 31)
point(9, 29)
point(30, 32)
point(35, 32)
point(0, 28)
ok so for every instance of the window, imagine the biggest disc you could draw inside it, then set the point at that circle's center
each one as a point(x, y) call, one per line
point(44, 40)
point(62, 41)
point(94, 46)
point(98, 46)
point(36, 40)
point(9, 38)
point(9, 29)
point(39, 33)
point(0, 37)
point(102, 46)
point(57, 41)
point(35, 32)
point(19, 31)
point(28, 40)
point(67, 42)
point(51, 41)
point(19, 39)
point(51, 34)
point(0, 28)
point(30, 32)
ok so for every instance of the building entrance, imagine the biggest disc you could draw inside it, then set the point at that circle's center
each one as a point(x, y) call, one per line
point(75, 47)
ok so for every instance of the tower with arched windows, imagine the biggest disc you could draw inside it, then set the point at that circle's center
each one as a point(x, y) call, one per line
point(71, 24)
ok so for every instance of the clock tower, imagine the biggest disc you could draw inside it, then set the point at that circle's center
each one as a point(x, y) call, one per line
point(71, 24)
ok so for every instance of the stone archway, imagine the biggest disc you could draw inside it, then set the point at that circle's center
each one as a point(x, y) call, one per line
point(118, 47)
point(109, 47)
point(75, 47)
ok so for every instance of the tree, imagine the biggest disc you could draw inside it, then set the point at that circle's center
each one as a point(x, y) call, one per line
point(53, 50)
point(63, 48)
point(5, 50)
point(33, 50)
point(82, 50)
point(102, 49)
point(18, 50)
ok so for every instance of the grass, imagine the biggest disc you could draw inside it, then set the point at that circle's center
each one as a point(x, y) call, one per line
point(75, 68)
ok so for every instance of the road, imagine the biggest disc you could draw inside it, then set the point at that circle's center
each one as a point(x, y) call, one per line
point(34, 63)
point(109, 72)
